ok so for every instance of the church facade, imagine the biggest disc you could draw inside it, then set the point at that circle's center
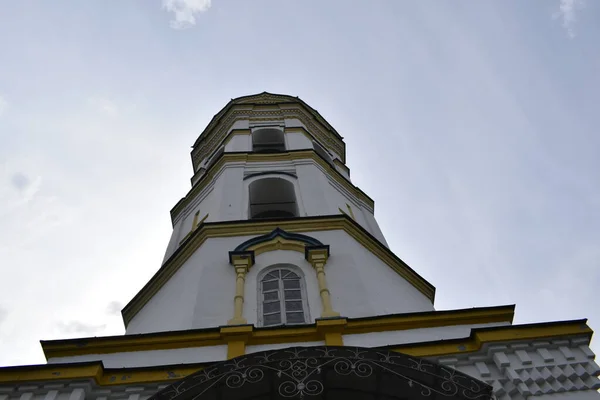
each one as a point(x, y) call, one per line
point(278, 283)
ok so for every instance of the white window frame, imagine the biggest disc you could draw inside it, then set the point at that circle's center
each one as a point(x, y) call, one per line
point(282, 311)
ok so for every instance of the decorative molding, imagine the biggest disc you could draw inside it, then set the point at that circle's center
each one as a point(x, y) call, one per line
point(219, 135)
point(244, 108)
point(517, 361)
point(253, 227)
point(343, 166)
point(250, 244)
point(212, 336)
point(93, 372)
point(535, 367)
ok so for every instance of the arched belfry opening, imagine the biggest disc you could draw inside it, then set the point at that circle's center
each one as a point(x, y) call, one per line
point(268, 140)
point(272, 198)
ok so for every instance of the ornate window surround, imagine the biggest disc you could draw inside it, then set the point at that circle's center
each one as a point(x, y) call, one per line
point(242, 259)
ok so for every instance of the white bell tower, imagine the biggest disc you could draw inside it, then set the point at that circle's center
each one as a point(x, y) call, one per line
point(277, 283)
point(273, 232)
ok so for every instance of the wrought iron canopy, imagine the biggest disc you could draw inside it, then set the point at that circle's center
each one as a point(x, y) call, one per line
point(315, 373)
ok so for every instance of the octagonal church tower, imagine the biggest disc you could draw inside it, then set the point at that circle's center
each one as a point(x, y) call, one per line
point(277, 282)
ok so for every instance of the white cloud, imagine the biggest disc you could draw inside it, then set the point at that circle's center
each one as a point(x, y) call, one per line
point(185, 11)
point(79, 327)
point(3, 105)
point(104, 105)
point(114, 308)
point(567, 14)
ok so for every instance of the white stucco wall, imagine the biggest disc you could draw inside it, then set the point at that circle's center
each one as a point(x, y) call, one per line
point(200, 294)
point(387, 338)
point(238, 143)
point(297, 141)
point(226, 198)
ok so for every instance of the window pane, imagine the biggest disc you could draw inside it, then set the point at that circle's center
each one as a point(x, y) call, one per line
point(271, 307)
point(291, 284)
point(287, 274)
point(272, 285)
point(294, 318)
point(294, 305)
point(292, 294)
point(271, 296)
point(271, 275)
point(272, 319)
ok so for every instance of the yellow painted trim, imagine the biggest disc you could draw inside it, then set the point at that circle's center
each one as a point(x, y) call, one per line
point(479, 338)
point(426, 320)
point(332, 330)
point(350, 211)
point(242, 264)
point(343, 166)
point(228, 229)
point(318, 258)
point(101, 376)
point(268, 157)
point(283, 335)
point(195, 221)
point(195, 225)
point(309, 333)
point(236, 337)
point(48, 372)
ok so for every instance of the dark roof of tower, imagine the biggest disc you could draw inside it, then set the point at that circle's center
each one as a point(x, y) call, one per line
point(262, 99)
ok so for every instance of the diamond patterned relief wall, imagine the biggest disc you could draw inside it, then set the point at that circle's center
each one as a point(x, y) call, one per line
point(520, 370)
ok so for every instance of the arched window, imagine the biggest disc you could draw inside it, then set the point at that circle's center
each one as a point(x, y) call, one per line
point(272, 198)
point(282, 298)
point(268, 140)
point(320, 150)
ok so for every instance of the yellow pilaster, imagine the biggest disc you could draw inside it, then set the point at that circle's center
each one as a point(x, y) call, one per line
point(331, 330)
point(195, 221)
point(241, 263)
point(236, 338)
point(318, 257)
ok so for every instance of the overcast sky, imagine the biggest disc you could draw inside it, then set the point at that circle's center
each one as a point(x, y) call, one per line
point(472, 124)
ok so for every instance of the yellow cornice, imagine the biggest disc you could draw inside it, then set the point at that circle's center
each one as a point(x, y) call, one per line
point(480, 337)
point(269, 157)
point(307, 333)
point(96, 372)
point(253, 228)
point(342, 165)
point(107, 377)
